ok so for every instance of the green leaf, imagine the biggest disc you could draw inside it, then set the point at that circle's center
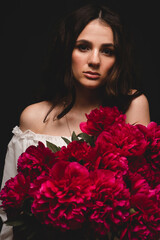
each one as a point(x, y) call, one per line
point(53, 147)
point(15, 223)
point(74, 137)
point(132, 211)
point(87, 138)
point(67, 141)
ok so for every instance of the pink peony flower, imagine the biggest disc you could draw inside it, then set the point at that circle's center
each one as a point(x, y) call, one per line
point(152, 155)
point(144, 221)
point(141, 166)
point(152, 135)
point(111, 186)
point(36, 160)
point(110, 201)
point(75, 151)
point(80, 152)
point(15, 191)
point(61, 200)
point(101, 119)
point(125, 140)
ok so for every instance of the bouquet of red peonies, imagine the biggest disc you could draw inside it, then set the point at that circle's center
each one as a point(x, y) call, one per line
point(105, 184)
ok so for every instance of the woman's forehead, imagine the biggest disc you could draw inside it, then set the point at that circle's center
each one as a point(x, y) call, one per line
point(97, 30)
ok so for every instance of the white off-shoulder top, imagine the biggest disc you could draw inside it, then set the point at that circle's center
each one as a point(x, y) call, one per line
point(17, 145)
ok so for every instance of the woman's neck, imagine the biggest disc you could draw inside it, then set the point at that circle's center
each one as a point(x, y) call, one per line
point(87, 99)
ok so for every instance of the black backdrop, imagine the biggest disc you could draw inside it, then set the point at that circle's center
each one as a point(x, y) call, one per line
point(24, 32)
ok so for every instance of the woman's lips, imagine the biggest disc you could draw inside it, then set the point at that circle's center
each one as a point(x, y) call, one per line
point(91, 75)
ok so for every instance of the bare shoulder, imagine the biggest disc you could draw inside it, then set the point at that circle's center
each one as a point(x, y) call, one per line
point(138, 112)
point(32, 116)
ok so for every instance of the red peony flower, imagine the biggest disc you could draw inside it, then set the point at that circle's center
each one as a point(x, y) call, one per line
point(75, 151)
point(81, 152)
point(61, 200)
point(107, 183)
point(15, 191)
point(125, 140)
point(152, 154)
point(110, 201)
point(144, 221)
point(101, 119)
point(115, 163)
point(118, 145)
point(152, 135)
point(36, 160)
point(141, 166)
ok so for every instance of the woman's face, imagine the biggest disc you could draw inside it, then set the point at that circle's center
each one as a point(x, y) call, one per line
point(93, 54)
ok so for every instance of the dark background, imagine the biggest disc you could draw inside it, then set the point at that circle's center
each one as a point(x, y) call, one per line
point(24, 34)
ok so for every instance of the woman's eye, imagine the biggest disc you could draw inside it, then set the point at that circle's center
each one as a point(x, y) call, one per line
point(108, 51)
point(83, 47)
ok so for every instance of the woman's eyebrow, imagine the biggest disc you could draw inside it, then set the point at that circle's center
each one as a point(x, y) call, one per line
point(108, 45)
point(90, 43)
point(83, 41)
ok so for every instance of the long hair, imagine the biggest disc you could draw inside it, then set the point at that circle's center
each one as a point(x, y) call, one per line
point(57, 72)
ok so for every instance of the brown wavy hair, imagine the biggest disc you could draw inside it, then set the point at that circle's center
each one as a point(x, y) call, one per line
point(58, 81)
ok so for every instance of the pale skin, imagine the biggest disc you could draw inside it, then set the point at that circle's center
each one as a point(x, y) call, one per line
point(92, 58)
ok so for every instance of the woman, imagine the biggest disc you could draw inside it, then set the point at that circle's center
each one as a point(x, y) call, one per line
point(70, 56)
point(88, 66)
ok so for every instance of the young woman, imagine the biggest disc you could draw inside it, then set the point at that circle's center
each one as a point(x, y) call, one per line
point(88, 66)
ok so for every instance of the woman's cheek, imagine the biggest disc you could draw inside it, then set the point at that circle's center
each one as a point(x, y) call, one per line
point(78, 62)
point(109, 65)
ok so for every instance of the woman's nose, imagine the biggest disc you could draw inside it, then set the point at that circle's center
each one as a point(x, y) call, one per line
point(94, 59)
